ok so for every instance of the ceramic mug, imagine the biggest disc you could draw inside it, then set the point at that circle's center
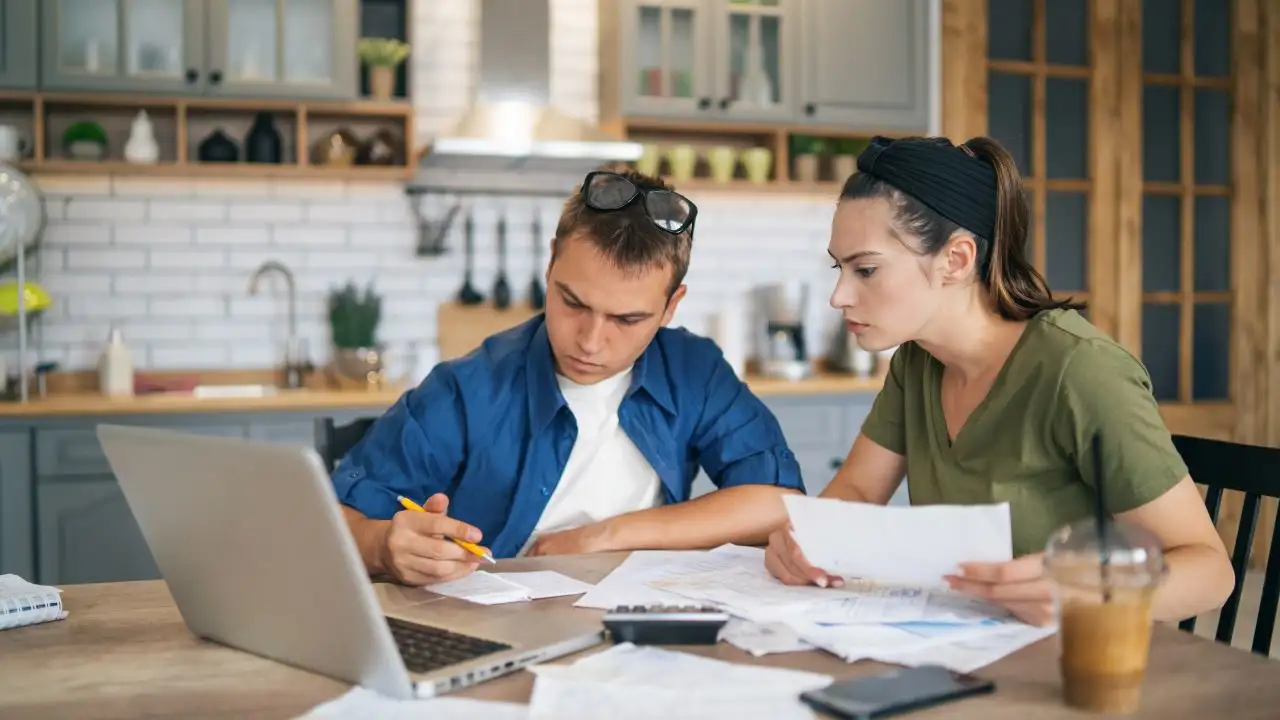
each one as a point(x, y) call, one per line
point(13, 146)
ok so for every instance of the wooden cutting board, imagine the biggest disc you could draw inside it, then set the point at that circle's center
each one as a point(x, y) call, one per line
point(461, 328)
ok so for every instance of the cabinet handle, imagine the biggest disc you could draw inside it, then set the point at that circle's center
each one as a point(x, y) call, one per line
point(724, 103)
point(704, 103)
point(836, 463)
point(192, 75)
point(215, 77)
point(810, 109)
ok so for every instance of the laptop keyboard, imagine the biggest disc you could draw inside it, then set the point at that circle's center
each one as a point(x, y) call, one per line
point(425, 648)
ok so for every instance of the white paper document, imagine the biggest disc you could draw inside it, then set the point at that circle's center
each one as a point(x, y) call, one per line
point(913, 545)
point(546, 583)
point(361, 704)
point(628, 681)
point(761, 639)
point(483, 588)
point(628, 584)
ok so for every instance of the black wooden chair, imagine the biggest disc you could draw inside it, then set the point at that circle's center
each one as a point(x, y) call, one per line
point(1254, 471)
point(333, 441)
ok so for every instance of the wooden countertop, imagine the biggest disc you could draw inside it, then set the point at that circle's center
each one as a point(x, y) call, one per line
point(124, 652)
point(88, 402)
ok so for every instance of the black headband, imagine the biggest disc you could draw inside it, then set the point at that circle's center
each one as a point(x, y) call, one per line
point(957, 185)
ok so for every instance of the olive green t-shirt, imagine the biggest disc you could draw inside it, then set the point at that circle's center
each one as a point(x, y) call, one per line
point(1029, 442)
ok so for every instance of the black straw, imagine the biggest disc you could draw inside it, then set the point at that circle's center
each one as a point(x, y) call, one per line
point(1100, 516)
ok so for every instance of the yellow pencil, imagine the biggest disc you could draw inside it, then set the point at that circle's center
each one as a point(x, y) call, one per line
point(469, 547)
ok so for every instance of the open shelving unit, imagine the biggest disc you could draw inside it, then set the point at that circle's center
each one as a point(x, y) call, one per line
point(787, 145)
point(180, 124)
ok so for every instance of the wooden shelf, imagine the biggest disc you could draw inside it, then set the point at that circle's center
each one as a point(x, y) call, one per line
point(197, 169)
point(180, 123)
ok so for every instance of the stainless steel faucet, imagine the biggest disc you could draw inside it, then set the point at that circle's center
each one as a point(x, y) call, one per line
point(277, 266)
point(295, 361)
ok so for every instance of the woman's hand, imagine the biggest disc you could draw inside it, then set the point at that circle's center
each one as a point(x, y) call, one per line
point(784, 561)
point(1017, 585)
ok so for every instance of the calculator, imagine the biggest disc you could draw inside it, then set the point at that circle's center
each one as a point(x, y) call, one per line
point(665, 624)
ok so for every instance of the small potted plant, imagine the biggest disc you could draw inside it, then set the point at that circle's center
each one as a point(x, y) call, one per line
point(382, 56)
point(353, 321)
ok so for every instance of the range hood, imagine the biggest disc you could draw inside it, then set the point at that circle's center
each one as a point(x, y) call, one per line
point(511, 124)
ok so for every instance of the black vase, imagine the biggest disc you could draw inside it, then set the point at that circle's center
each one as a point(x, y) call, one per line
point(218, 147)
point(263, 144)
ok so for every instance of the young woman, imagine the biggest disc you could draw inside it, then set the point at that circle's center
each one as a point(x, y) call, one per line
point(997, 391)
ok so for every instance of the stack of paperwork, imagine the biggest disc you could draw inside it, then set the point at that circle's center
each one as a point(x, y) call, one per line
point(895, 606)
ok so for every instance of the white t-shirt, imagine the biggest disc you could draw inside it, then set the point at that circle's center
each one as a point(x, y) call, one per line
point(606, 475)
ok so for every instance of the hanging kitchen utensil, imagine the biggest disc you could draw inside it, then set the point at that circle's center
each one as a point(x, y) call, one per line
point(537, 295)
point(431, 233)
point(468, 295)
point(501, 288)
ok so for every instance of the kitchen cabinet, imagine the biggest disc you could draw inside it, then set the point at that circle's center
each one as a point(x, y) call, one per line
point(708, 59)
point(233, 48)
point(866, 64)
point(861, 63)
point(18, 49)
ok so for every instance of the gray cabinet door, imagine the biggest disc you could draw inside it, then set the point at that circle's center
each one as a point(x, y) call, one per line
point(17, 554)
point(152, 46)
point(283, 48)
point(755, 62)
point(19, 56)
point(667, 58)
point(88, 534)
point(866, 64)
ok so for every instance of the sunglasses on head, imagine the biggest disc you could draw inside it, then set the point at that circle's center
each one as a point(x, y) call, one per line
point(669, 211)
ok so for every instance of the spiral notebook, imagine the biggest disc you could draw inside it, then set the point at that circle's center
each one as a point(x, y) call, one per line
point(23, 603)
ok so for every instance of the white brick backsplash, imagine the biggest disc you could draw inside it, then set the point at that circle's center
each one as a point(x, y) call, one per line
point(343, 212)
point(167, 356)
point(95, 209)
point(246, 235)
point(187, 259)
point(186, 307)
point(153, 284)
point(125, 186)
point(188, 211)
point(171, 258)
point(78, 233)
point(309, 235)
point(112, 259)
point(160, 234)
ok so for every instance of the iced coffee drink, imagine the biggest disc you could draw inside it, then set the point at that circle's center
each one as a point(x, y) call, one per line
point(1104, 612)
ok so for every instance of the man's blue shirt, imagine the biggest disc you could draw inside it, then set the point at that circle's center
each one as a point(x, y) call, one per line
point(492, 431)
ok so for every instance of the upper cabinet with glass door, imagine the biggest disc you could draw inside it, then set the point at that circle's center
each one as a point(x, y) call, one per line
point(855, 63)
point(19, 56)
point(122, 45)
point(706, 59)
point(277, 48)
point(294, 48)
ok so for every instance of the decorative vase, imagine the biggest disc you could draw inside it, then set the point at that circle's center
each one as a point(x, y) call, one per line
point(141, 147)
point(382, 82)
point(358, 366)
point(263, 144)
point(218, 147)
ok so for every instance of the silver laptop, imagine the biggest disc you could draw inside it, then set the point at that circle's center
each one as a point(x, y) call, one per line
point(252, 544)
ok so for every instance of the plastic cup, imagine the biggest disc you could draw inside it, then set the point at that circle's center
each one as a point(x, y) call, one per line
point(1104, 612)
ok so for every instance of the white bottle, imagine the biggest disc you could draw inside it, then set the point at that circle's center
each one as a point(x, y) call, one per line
point(115, 367)
point(141, 147)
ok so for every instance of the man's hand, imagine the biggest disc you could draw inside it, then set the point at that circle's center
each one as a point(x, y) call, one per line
point(590, 538)
point(1018, 585)
point(416, 549)
point(784, 560)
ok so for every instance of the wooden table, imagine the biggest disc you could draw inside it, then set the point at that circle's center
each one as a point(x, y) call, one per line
point(124, 653)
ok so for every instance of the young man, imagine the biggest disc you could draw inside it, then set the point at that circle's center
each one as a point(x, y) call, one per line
point(581, 430)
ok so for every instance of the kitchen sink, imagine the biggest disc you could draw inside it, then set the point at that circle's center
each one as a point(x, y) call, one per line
point(232, 391)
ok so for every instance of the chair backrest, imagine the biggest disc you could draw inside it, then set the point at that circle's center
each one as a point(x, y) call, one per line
point(1254, 471)
point(333, 441)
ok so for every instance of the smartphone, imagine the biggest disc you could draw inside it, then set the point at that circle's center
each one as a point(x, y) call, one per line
point(895, 692)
